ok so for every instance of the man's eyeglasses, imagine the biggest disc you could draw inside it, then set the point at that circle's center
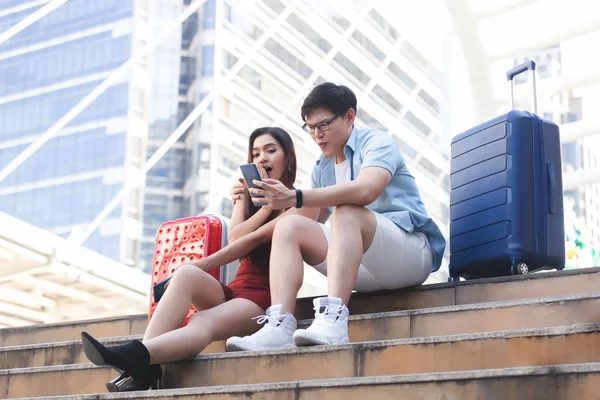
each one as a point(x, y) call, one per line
point(321, 126)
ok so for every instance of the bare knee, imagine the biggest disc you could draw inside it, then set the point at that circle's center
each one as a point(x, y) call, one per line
point(347, 214)
point(290, 228)
point(203, 290)
point(188, 275)
point(186, 272)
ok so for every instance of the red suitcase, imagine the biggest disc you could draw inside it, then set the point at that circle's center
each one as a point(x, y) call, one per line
point(184, 240)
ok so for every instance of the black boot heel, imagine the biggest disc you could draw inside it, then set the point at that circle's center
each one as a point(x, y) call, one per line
point(155, 385)
point(152, 377)
point(149, 379)
point(122, 383)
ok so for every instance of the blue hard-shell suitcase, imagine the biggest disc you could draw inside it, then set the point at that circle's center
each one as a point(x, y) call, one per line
point(506, 199)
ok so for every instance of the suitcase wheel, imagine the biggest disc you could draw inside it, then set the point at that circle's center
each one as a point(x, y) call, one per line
point(519, 268)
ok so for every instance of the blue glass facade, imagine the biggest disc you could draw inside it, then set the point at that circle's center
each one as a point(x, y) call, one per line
point(46, 69)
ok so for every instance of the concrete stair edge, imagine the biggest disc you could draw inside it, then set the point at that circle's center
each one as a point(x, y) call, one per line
point(537, 332)
point(360, 317)
point(434, 286)
point(560, 369)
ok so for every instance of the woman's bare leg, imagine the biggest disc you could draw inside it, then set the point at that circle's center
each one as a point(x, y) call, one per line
point(190, 285)
point(231, 318)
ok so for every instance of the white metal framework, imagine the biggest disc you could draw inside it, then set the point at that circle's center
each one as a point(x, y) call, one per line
point(45, 278)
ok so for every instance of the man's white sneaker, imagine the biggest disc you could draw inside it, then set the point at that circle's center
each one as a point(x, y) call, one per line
point(276, 334)
point(330, 325)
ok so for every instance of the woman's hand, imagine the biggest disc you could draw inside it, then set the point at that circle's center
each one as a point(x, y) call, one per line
point(264, 176)
point(239, 191)
point(262, 172)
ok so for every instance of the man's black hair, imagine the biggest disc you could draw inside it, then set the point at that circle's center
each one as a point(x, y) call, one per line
point(337, 98)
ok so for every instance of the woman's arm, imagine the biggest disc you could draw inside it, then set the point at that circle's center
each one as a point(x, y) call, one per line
point(249, 242)
point(239, 196)
point(249, 225)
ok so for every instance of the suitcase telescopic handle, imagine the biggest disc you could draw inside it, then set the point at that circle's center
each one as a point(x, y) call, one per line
point(526, 66)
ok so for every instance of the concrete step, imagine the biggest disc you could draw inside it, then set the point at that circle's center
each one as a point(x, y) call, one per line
point(548, 346)
point(425, 296)
point(64, 331)
point(576, 381)
point(452, 320)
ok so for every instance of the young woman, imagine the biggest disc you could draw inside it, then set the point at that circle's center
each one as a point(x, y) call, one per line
point(223, 310)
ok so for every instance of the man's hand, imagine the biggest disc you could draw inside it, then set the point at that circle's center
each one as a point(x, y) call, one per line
point(275, 194)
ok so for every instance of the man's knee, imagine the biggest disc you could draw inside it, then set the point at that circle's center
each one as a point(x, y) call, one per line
point(290, 227)
point(348, 213)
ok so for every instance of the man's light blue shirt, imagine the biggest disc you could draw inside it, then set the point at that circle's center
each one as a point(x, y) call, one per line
point(400, 200)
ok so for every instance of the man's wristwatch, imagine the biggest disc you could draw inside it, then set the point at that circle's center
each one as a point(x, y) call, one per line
point(298, 198)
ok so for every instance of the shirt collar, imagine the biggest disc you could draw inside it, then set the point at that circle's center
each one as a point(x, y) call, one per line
point(351, 142)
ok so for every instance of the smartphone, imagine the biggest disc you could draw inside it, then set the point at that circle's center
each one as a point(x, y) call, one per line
point(159, 289)
point(250, 172)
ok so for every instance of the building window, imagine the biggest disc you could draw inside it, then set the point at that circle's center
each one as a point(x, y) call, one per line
point(309, 33)
point(208, 60)
point(209, 14)
point(396, 73)
point(251, 76)
point(188, 31)
point(288, 58)
point(429, 102)
point(351, 68)
point(405, 147)
point(229, 59)
point(430, 167)
point(275, 5)
point(384, 26)
point(416, 124)
point(414, 56)
point(388, 100)
point(369, 120)
point(367, 46)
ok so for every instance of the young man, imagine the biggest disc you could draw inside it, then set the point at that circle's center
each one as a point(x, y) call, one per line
point(380, 236)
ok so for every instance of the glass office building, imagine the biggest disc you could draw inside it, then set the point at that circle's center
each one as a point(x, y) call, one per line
point(47, 69)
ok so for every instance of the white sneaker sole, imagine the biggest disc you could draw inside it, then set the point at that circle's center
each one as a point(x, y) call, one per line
point(240, 347)
point(301, 341)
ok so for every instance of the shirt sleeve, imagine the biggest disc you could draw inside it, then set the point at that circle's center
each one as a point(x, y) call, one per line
point(314, 177)
point(380, 150)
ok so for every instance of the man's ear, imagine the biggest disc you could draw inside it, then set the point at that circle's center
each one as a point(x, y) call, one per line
point(350, 116)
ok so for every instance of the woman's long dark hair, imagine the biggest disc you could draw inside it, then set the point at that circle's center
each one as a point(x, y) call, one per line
point(260, 256)
point(285, 141)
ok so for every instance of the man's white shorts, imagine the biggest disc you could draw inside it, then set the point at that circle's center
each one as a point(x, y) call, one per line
point(395, 259)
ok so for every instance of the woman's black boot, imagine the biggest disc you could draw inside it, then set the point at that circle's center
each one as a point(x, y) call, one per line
point(132, 357)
